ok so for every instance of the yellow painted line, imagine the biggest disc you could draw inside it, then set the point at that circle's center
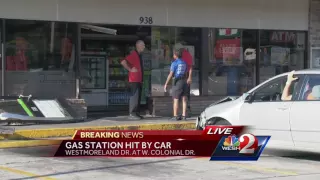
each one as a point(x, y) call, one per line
point(28, 143)
point(24, 173)
point(261, 169)
point(69, 132)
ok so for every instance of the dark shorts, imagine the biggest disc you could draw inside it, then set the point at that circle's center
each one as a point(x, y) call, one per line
point(180, 89)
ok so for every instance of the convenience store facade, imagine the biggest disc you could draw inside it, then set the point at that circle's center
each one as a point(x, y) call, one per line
point(72, 48)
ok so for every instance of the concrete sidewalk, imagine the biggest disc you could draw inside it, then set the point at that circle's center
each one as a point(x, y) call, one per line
point(105, 121)
point(32, 132)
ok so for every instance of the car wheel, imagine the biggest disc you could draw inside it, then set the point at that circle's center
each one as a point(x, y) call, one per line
point(222, 122)
point(219, 121)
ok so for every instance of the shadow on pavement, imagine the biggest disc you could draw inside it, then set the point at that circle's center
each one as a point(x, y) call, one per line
point(300, 155)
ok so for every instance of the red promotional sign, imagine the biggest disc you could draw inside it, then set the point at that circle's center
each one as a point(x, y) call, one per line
point(227, 48)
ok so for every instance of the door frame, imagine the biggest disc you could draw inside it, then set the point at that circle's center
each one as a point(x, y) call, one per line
point(3, 55)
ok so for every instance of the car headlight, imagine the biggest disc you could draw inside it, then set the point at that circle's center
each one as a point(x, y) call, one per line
point(202, 118)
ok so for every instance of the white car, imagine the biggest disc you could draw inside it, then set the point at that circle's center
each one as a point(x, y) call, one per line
point(294, 123)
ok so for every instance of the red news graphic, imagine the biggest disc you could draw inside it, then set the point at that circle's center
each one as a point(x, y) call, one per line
point(217, 142)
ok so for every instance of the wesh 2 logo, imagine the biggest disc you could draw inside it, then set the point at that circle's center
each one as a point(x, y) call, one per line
point(245, 144)
point(231, 147)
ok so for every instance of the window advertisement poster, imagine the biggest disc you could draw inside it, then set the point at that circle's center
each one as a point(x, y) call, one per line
point(280, 56)
point(227, 48)
point(315, 57)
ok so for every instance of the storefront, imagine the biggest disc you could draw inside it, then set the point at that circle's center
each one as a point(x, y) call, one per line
point(73, 48)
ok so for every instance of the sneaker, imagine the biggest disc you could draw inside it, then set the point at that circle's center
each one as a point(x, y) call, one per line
point(183, 118)
point(134, 117)
point(175, 118)
point(141, 117)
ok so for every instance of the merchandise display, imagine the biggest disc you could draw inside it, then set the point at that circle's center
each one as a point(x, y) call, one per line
point(147, 65)
point(94, 69)
point(118, 76)
point(119, 98)
point(119, 90)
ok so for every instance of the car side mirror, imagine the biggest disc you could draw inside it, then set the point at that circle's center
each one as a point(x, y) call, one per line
point(249, 98)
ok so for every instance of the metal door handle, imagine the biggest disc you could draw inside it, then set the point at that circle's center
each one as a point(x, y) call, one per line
point(282, 108)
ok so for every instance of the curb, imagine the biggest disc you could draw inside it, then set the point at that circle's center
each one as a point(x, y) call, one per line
point(26, 138)
point(28, 143)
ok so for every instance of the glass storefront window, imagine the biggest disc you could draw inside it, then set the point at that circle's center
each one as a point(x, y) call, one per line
point(40, 54)
point(232, 54)
point(38, 45)
point(163, 41)
point(281, 51)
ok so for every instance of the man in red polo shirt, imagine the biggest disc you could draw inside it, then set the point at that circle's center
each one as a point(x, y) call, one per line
point(133, 63)
point(187, 58)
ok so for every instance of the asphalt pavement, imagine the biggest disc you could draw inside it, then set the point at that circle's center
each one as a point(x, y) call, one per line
point(29, 163)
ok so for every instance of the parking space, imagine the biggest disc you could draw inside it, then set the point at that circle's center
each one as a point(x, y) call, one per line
point(31, 163)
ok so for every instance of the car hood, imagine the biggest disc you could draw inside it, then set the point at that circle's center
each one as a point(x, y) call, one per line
point(223, 106)
point(224, 100)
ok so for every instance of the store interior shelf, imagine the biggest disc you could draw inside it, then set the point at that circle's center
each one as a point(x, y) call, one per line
point(94, 70)
point(119, 88)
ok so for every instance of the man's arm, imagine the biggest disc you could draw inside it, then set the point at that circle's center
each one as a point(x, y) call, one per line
point(169, 78)
point(190, 75)
point(126, 65)
point(190, 65)
point(285, 93)
point(286, 96)
point(172, 70)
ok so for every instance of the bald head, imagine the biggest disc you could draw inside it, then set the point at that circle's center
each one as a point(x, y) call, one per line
point(140, 46)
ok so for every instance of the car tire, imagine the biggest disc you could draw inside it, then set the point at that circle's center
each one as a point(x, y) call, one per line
point(222, 122)
point(218, 121)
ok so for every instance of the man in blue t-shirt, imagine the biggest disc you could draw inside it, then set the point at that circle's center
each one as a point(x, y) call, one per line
point(178, 70)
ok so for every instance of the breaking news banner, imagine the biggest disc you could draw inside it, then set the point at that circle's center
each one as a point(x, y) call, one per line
point(220, 143)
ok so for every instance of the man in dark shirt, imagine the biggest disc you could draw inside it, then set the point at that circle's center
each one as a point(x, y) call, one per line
point(178, 70)
point(133, 63)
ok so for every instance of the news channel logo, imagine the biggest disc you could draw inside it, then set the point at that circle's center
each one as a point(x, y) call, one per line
point(246, 147)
